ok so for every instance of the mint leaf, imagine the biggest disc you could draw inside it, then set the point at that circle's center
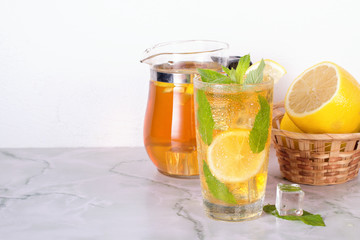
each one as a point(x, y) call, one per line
point(243, 65)
point(307, 218)
point(269, 208)
point(231, 73)
point(260, 131)
point(212, 76)
point(226, 70)
point(313, 220)
point(204, 116)
point(218, 189)
point(289, 188)
point(256, 76)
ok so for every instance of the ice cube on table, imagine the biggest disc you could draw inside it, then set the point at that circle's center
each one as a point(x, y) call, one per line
point(289, 199)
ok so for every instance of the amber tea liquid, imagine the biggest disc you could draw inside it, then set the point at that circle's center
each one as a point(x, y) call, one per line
point(169, 129)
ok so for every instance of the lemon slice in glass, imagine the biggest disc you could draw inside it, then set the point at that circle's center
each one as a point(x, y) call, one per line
point(230, 158)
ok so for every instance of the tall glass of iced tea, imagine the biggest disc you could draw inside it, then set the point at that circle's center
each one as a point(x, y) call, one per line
point(233, 135)
point(169, 129)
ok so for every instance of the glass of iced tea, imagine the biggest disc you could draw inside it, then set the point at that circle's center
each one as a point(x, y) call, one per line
point(169, 128)
point(233, 139)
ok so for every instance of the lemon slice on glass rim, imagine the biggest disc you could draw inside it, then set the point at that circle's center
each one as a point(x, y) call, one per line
point(272, 69)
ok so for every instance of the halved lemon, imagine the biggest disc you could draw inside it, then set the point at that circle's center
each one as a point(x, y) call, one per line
point(288, 125)
point(230, 158)
point(324, 99)
point(272, 69)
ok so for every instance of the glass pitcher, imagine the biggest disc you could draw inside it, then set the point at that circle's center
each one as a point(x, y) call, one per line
point(169, 128)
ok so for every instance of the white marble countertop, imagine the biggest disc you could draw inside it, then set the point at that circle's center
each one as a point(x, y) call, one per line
point(117, 193)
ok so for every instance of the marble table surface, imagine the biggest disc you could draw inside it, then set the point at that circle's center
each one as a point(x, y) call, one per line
point(117, 193)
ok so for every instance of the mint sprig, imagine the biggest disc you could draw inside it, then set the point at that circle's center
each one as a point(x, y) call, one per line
point(307, 217)
point(260, 131)
point(218, 189)
point(204, 116)
point(212, 76)
point(235, 75)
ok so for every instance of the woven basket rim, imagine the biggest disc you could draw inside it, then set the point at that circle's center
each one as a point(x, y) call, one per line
point(307, 136)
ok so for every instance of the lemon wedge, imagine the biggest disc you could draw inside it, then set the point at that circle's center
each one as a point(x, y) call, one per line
point(288, 125)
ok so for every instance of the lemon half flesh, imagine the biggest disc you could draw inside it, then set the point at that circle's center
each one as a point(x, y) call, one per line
point(324, 99)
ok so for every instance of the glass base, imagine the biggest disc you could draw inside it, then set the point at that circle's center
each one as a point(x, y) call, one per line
point(179, 176)
point(234, 213)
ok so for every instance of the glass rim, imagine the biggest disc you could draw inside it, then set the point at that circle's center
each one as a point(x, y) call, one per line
point(198, 83)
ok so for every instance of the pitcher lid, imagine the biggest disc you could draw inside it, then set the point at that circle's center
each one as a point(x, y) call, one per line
point(180, 50)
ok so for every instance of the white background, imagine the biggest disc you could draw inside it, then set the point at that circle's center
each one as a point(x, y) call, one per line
point(70, 74)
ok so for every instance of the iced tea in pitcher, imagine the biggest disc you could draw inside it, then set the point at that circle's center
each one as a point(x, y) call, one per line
point(169, 128)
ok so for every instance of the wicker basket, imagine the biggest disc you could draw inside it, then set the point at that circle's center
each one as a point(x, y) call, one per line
point(315, 159)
